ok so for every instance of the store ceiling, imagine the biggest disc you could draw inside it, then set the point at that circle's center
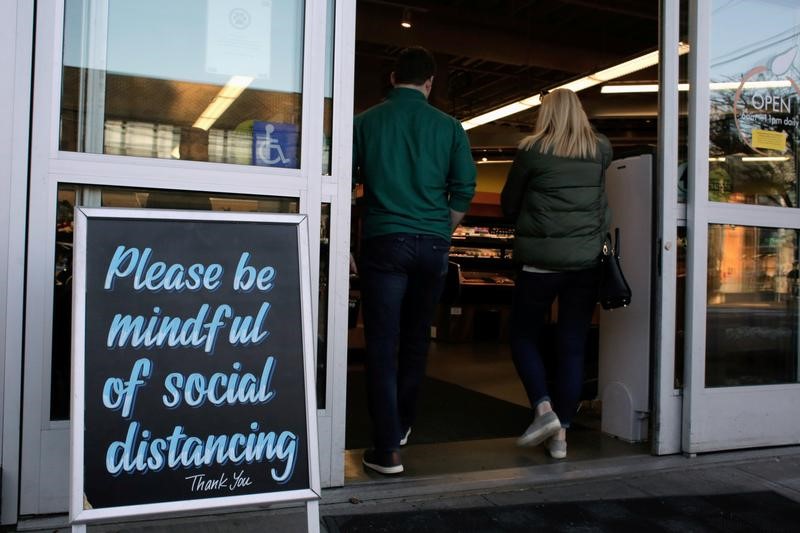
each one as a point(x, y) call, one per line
point(492, 52)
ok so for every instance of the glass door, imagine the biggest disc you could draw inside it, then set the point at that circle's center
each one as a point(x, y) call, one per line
point(179, 104)
point(743, 226)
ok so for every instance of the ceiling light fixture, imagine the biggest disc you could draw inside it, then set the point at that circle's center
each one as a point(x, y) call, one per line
point(637, 88)
point(406, 20)
point(601, 76)
point(751, 159)
point(222, 101)
point(716, 86)
point(766, 158)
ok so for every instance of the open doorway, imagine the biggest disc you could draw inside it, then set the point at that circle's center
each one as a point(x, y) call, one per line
point(491, 54)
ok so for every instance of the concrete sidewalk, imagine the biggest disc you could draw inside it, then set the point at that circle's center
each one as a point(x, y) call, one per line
point(775, 470)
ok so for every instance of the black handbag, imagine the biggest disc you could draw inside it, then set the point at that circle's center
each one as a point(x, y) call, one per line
point(614, 289)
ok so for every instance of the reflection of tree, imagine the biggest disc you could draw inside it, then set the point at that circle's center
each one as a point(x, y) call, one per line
point(715, 251)
point(763, 182)
point(62, 313)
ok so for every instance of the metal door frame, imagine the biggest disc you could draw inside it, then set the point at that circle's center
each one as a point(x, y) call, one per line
point(38, 493)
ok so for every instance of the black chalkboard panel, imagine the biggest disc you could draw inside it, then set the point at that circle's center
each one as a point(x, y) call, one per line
point(194, 382)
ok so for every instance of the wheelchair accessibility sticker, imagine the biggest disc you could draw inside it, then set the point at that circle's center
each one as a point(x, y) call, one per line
point(275, 144)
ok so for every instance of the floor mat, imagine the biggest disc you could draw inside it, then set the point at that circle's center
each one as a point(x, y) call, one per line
point(741, 512)
point(446, 413)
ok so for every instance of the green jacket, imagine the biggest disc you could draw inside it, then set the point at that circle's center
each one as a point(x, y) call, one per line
point(415, 163)
point(560, 207)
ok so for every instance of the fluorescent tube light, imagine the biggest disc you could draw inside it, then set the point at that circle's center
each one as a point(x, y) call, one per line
point(716, 86)
point(627, 67)
point(751, 159)
point(733, 85)
point(601, 76)
point(222, 101)
point(494, 161)
point(505, 111)
point(630, 89)
point(765, 158)
point(637, 88)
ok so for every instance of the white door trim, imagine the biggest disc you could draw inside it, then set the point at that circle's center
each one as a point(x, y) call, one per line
point(666, 418)
point(16, 54)
point(339, 275)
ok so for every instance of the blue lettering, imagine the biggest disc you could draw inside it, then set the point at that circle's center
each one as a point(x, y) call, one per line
point(139, 454)
point(245, 330)
point(173, 383)
point(160, 276)
point(246, 276)
point(121, 255)
point(220, 388)
point(158, 331)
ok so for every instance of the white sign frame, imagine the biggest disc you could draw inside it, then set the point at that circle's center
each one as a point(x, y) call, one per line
point(79, 516)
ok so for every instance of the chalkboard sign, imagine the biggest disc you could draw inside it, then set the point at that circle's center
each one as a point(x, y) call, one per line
point(192, 358)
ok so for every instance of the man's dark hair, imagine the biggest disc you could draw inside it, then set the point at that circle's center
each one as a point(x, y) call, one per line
point(414, 66)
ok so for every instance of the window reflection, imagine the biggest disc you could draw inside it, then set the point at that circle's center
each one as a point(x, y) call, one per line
point(327, 118)
point(755, 117)
point(752, 314)
point(680, 307)
point(224, 85)
point(322, 319)
point(70, 196)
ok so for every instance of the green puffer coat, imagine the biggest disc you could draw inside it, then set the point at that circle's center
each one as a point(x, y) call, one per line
point(560, 207)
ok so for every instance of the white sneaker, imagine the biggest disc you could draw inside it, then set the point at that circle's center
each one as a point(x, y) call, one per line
point(557, 448)
point(542, 428)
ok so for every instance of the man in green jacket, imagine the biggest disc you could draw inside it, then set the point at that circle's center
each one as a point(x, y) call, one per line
point(419, 177)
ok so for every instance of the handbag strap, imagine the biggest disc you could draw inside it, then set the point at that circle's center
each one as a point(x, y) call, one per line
point(615, 243)
point(607, 242)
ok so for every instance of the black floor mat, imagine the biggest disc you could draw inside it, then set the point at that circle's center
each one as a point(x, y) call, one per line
point(447, 413)
point(742, 512)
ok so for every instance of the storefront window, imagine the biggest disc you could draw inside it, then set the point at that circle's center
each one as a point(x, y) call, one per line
point(752, 315)
point(755, 116)
point(70, 196)
point(215, 81)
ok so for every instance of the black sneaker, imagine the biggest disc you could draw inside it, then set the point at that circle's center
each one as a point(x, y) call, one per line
point(386, 463)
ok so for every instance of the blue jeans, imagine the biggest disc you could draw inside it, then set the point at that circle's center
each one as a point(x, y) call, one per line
point(533, 296)
point(402, 276)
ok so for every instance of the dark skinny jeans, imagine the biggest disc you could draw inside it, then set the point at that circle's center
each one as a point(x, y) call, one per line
point(534, 294)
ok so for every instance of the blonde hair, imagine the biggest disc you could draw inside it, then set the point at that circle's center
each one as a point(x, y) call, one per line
point(562, 127)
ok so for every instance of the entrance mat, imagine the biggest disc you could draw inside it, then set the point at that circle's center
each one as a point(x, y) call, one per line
point(741, 512)
point(446, 413)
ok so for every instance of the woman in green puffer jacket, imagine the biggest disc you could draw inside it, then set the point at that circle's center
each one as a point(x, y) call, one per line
point(556, 193)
